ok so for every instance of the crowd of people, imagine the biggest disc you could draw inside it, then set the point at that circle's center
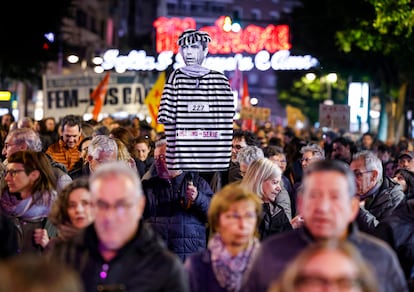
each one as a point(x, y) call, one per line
point(114, 215)
point(204, 206)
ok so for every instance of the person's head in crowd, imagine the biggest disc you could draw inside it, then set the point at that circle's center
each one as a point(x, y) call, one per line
point(34, 273)
point(390, 167)
point(240, 140)
point(30, 173)
point(143, 147)
point(102, 149)
point(73, 206)
point(262, 136)
point(147, 130)
point(25, 122)
point(367, 141)
point(263, 177)
point(83, 148)
point(332, 265)
point(124, 135)
point(119, 200)
point(234, 214)
point(193, 46)
point(311, 153)
point(124, 154)
point(87, 129)
point(247, 156)
point(288, 135)
point(277, 155)
point(71, 127)
point(100, 130)
point(406, 160)
point(405, 178)
point(368, 171)
point(21, 140)
point(50, 124)
point(6, 121)
point(107, 121)
point(343, 149)
point(326, 200)
point(384, 152)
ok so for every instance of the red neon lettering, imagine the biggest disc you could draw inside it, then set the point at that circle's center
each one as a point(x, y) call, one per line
point(252, 39)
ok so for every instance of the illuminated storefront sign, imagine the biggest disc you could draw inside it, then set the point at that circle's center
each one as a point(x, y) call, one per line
point(264, 48)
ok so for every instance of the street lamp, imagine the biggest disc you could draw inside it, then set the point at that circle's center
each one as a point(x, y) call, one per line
point(331, 78)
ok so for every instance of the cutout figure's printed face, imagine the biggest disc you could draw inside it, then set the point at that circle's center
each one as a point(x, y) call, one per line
point(193, 54)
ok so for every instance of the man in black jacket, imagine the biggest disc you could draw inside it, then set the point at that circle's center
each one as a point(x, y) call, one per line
point(118, 252)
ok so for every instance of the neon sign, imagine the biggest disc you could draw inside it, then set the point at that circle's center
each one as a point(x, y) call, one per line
point(252, 39)
point(268, 45)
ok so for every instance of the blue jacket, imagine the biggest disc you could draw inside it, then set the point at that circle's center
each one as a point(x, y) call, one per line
point(183, 230)
point(277, 251)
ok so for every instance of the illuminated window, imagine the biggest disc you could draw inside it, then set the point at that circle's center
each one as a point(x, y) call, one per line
point(256, 14)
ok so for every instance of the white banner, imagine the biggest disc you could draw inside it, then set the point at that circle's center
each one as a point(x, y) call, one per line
point(70, 94)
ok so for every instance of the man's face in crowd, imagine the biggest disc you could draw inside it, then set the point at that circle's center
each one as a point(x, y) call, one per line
point(365, 179)
point(71, 135)
point(237, 145)
point(118, 210)
point(326, 205)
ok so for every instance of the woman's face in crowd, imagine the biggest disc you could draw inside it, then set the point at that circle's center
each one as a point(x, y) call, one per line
point(80, 208)
point(238, 224)
point(271, 189)
point(398, 178)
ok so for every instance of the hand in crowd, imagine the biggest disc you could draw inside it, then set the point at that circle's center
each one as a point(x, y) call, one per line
point(297, 221)
point(41, 237)
point(191, 193)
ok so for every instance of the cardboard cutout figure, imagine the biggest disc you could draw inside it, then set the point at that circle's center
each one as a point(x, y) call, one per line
point(197, 110)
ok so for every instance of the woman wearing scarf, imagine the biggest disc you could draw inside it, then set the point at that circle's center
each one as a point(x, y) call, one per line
point(233, 218)
point(29, 189)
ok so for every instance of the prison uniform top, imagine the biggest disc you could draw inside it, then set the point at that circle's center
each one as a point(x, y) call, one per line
point(197, 113)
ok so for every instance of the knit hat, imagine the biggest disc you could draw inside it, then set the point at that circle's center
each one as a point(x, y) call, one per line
point(190, 36)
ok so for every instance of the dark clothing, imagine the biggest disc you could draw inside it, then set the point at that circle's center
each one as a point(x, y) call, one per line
point(234, 172)
point(277, 251)
point(398, 231)
point(201, 266)
point(184, 230)
point(144, 166)
point(80, 171)
point(8, 242)
point(274, 221)
point(143, 264)
point(380, 205)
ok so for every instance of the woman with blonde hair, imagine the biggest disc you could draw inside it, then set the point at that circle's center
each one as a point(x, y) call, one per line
point(263, 177)
point(233, 218)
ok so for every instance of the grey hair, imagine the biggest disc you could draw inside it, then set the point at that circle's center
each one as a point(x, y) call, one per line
point(259, 171)
point(27, 136)
point(316, 150)
point(249, 154)
point(102, 143)
point(372, 162)
point(117, 169)
point(332, 165)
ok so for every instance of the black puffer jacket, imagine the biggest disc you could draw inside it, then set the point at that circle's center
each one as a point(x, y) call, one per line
point(183, 229)
point(143, 264)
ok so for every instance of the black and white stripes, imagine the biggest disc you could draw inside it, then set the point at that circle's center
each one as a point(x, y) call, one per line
point(197, 114)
